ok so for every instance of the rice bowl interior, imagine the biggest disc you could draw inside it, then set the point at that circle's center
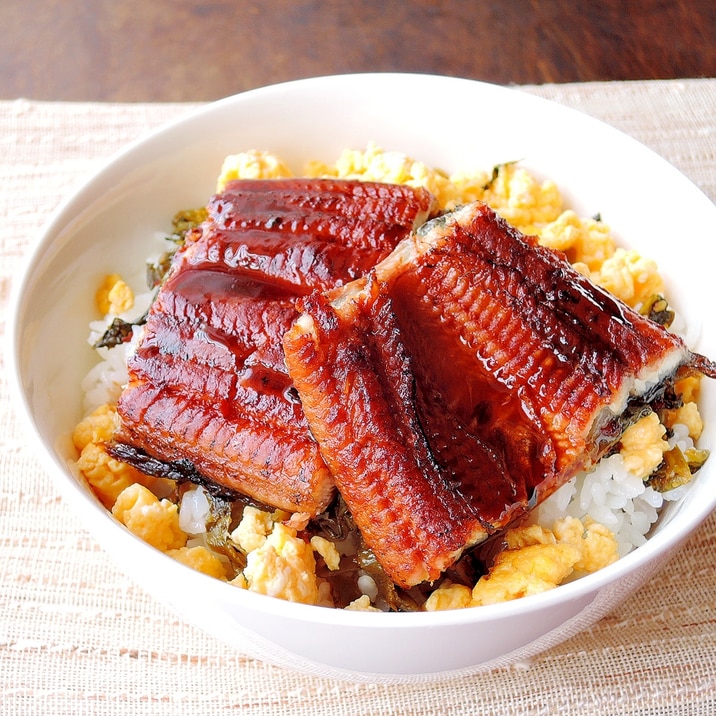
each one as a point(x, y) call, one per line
point(103, 228)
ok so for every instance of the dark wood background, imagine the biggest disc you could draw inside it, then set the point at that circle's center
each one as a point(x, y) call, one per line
point(177, 50)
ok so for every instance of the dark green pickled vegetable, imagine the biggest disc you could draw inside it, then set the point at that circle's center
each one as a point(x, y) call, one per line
point(657, 309)
point(182, 223)
point(219, 525)
point(118, 332)
point(677, 468)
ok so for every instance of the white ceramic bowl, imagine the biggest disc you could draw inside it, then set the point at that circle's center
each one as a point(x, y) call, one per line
point(449, 123)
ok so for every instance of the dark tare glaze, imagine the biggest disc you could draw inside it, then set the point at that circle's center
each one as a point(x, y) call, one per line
point(473, 419)
point(466, 378)
point(208, 382)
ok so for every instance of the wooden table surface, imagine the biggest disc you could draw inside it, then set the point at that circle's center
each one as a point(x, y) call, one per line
point(184, 50)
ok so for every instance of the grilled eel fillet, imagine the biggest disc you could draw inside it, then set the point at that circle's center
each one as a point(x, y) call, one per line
point(464, 379)
point(208, 390)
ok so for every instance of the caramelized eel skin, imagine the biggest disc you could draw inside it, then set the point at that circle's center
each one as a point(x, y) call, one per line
point(208, 382)
point(462, 381)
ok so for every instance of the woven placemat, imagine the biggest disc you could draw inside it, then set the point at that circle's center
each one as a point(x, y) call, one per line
point(77, 637)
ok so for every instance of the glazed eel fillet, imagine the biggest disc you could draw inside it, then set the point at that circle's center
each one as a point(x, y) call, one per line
point(208, 393)
point(465, 378)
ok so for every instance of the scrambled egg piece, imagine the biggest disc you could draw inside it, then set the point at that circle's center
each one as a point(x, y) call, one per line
point(254, 527)
point(96, 427)
point(538, 559)
point(253, 164)
point(279, 562)
point(157, 523)
point(535, 560)
point(200, 559)
point(522, 200)
point(596, 543)
point(521, 572)
point(327, 550)
point(449, 596)
point(586, 242)
point(114, 296)
point(688, 414)
point(154, 521)
point(283, 567)
point(106, 476)
point(629, 276)
point(362, 604)
point(643, 445)
point(688, 388)
point(528, 535)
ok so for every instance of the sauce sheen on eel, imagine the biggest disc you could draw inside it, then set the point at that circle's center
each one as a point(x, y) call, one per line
point(209, 395)
point(463, 380)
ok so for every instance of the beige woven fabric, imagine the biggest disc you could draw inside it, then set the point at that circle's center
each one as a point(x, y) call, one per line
point(77, 637)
